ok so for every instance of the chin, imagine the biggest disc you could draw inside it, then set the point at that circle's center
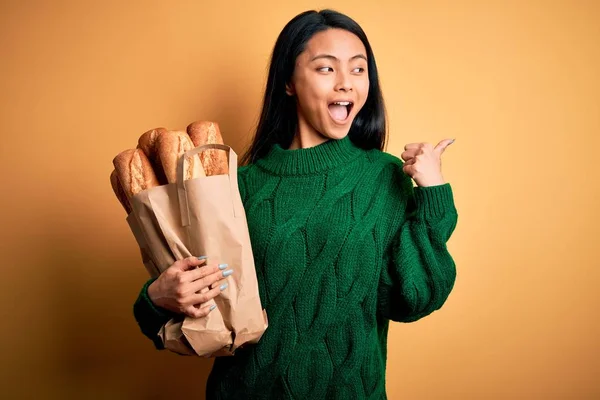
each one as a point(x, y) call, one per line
point(337, 134)
point(334, 131)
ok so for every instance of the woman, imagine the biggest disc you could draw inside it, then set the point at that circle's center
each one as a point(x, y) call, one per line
point(343, 242)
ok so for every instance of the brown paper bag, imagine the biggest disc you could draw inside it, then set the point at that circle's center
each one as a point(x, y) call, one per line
point(139, 237)
point(203, 216)
point(174, 339)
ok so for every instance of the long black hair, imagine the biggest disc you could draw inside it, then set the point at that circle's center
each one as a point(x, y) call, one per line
point(279, 119)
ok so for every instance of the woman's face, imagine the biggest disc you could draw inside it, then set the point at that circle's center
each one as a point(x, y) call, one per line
point(331, 84)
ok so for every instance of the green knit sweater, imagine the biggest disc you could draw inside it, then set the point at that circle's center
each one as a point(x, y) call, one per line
point(343, 243)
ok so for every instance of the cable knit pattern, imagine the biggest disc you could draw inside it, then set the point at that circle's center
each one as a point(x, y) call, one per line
point(343, 243)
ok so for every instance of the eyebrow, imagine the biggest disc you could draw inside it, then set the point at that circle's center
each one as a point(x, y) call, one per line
point(329, 56)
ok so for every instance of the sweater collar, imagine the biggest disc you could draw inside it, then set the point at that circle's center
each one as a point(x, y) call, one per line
point(312, 160)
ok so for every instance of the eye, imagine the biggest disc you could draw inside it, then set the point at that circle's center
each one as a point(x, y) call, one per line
point(359, 70)
point(324, 69)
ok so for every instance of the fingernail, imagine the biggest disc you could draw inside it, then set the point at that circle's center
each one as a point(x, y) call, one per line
point(228, 272)
point(452, 141)
point(202, 258)
point(223, 266)
point(213, 307)
point(224, 286)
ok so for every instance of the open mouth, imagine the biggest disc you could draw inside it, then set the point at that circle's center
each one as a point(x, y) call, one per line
point(340, 110)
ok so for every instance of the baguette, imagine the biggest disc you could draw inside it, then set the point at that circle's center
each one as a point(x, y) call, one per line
point(119, 192)
point(207, 132)
point(134, 171)
point(170, 147)
point(148, 142)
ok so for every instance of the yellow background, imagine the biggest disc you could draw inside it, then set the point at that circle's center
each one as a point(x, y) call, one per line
point(517, 83)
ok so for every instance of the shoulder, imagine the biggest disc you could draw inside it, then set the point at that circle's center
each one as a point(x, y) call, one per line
point(244, 169)
point(391, 189)
point(390, 167)
point(381, 159)
point(244, 178)
point(247, 170)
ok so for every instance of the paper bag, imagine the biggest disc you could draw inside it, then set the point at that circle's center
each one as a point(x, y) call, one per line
point(203, 216)
point(139, 237)
point(174, 339)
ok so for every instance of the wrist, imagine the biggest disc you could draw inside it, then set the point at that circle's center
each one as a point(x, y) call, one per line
point(436, 182)
point(152, 295)
point(152, 292)
point(428, 179)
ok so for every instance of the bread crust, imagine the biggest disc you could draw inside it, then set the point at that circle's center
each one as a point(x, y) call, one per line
point(134, 171)
point(171, 145)
point(148, 142)
point(119, 191)
point(208, 132)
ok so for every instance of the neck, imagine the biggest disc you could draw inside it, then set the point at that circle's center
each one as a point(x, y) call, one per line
point(303, 142)
point(306, 136)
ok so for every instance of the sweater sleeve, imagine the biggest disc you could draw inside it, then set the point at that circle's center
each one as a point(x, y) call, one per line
point(418, 272)
point(150, 317)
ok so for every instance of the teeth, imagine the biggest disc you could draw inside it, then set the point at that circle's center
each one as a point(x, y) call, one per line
point(342, 103)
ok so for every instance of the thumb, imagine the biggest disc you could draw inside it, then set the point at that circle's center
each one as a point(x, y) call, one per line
point(441, 146)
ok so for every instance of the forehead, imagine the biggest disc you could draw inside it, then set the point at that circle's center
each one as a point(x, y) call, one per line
point(336, 42)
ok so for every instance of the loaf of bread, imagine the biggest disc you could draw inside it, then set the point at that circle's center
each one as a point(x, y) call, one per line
point(170, 147)
point(119, 191)
point(134, 171)
point(207, 132)
point(148, 143)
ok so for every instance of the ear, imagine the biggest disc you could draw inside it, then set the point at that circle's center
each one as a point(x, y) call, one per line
point(289, 89)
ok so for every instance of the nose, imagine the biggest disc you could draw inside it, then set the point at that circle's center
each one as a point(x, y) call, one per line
point(343, 83)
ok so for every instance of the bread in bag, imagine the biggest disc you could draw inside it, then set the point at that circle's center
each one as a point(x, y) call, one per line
point(134, 171)
point(148, 142)
point(119, 191)
point(207, 132)
point(170, 147)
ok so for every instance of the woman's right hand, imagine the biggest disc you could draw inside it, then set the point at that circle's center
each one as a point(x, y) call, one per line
point(180, 288)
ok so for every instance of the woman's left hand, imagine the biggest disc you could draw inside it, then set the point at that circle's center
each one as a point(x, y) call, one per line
point(423, 162)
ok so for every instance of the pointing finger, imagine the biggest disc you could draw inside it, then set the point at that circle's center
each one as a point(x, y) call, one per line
point(441, 146)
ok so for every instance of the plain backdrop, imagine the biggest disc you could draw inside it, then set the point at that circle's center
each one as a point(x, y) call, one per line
point(516, 83)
